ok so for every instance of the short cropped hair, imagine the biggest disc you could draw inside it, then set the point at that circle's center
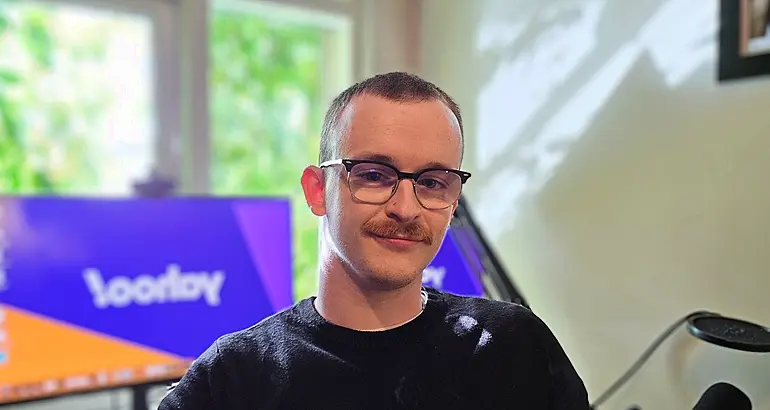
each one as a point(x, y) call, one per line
point(395, 86)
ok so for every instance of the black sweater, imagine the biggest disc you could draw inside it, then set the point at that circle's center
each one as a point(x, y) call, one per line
point(460, 353)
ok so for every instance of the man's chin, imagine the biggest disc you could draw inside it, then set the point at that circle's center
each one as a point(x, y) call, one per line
point(391, 279)
point(393, 269)
point(391, 274)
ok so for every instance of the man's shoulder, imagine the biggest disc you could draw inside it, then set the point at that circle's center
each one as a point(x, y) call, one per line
point(231, 360)
point(523, 342)
point(482, 305)
point(251, 342)
point(489, 312)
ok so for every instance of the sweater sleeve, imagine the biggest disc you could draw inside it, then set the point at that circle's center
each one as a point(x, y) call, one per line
point(198, 389)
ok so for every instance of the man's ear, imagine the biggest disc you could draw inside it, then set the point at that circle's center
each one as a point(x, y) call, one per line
point(313, 186)
point(454, 208)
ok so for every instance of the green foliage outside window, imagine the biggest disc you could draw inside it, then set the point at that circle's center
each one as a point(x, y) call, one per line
point(42, 149)
point(75, 119)
point(266, 113)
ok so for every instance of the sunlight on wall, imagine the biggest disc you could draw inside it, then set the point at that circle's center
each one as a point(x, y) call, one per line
point(678, 47)
point(534, 74)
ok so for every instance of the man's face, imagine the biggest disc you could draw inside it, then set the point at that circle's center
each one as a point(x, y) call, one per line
point(410, 137)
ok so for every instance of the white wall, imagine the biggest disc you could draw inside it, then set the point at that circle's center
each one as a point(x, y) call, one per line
point(387, 36)
point(621, 186)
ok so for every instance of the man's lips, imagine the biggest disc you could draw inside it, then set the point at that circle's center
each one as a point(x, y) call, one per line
point(397, 238)
point(399, 242)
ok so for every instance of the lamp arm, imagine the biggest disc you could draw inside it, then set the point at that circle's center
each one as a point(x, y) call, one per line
point(614, 387)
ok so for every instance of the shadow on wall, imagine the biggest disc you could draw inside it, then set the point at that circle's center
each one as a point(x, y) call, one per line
point(565, 80)
point(621, 186)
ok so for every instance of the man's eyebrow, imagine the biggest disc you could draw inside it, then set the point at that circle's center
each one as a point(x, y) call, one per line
point(371, 156)
point(436, 165)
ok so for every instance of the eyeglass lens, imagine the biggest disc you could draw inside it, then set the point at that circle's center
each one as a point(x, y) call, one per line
point(375, 183)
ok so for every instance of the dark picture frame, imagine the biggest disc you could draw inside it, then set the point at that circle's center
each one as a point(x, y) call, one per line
point(744, 43)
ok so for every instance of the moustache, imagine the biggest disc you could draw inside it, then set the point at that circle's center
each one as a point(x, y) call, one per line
point(391, 229)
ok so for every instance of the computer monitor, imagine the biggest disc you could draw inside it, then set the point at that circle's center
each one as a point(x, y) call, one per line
point(99, 293)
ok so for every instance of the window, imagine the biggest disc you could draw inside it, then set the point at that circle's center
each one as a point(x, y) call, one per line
point(95, 94)
point(268, 93)
point(76, 98)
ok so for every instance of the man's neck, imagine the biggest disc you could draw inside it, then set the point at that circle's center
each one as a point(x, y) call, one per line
point(343, 302)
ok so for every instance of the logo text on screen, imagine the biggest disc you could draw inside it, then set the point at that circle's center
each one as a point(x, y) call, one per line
point(171, 286)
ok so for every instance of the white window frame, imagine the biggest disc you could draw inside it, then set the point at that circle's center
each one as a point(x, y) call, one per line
point(164, 15)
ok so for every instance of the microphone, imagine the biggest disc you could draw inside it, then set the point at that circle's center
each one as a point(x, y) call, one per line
point(723, 396)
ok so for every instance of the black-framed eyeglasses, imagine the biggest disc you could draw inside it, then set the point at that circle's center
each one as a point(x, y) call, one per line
point(374, 182)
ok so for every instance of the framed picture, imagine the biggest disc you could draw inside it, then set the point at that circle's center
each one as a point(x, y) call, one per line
point(744, 39)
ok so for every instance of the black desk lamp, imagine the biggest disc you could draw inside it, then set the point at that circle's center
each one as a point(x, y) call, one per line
point(709, 327)
point(730, 333)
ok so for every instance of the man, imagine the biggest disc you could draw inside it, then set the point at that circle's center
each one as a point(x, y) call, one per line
point(374, 338)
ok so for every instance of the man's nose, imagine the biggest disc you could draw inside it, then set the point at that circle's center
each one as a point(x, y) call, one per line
point(403, 206)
